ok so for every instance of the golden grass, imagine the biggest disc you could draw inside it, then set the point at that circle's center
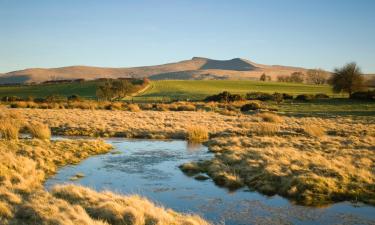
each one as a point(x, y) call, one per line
point(313, 130)
point(118, 209)
point(39, 130)
point(270, 117)
point(275, 157)
point(10, 124)
point(134, 108)
point(197, 134)
point(25, 164)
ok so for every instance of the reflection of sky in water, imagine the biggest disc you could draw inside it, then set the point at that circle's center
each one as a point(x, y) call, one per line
point(150, 168)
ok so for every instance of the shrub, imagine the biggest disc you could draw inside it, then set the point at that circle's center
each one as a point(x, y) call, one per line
point(305, 97)
point(197, 134)
point(224, 97)
point(39, 131)
point(287, 96)
point(363, 95)
point(74, 98)
point(277, 97)
point(321, 96)
point(186, 107)
point(259, 96)
point(251, 106)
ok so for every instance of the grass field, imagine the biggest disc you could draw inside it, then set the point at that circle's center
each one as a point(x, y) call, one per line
point(196, 90)
point(86, 89)
point(169, 89)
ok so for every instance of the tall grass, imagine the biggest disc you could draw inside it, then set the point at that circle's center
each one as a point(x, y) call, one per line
point(39, 131)
point(197, 133)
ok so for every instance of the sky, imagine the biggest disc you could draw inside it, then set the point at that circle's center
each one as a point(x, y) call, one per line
point(119, 33)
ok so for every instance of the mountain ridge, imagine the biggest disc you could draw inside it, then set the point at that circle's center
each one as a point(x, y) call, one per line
point(195, 68)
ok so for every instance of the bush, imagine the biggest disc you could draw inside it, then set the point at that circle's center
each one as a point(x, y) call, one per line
point(259, 96)
point(363, 95)
point(305, 97)
point(287, 96)
point(321, 96)
point(224, 97)
point(197, 134)
point(74, 98)
point(251, 106)
point(39, 131)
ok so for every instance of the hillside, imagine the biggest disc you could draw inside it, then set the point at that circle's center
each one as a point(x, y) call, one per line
point(197, 68)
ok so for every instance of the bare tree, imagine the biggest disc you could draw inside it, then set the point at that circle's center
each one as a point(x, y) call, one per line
point(317, 76)
point(297, 77)
point(263, 77)
point(348, 78)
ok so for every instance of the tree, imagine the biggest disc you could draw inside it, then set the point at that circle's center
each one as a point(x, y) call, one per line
point(263, 77)
point(347, 79)
point(317, 76)
point(296, 77)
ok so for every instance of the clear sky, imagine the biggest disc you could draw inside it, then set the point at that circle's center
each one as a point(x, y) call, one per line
point(306, 33)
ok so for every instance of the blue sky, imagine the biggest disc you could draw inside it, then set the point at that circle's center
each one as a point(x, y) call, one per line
point(318, 33)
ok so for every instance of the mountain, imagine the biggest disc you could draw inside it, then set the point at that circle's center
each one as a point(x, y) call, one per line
point(197, 68)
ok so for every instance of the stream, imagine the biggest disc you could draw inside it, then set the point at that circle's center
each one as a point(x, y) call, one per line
point(150, 168)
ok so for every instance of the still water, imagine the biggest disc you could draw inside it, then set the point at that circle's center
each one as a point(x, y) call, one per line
point(150, 168)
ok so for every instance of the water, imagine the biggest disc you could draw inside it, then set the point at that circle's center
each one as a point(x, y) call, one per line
point(150, 168)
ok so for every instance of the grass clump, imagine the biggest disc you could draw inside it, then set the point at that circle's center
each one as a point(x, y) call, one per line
point(10, 124)
point(314, 130)
point(117, 209)
point(270, 117)
point(39, 130)
point(197, 133)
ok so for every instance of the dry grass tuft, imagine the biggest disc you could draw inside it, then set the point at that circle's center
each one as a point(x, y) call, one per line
point(39, 131)
point(197, 133)
point(314, 130)
point(270, 117)
point(10, 124)
point(265, 128)
point(118, 209)
point(134, 108)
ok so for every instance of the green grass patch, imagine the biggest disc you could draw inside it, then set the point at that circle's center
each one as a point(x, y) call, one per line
point(199, 89)
point(85, 89)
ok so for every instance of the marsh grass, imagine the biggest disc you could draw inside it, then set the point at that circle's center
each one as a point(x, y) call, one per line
point(196, 133)
point(314, 130)
point(27, 163)
point(39, 131)
point(270, 117)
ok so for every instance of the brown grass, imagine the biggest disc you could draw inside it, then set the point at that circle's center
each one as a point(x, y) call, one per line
point(271, 157)
point(197, 134)
point(314, 130)
point(270, 117)
point(39, 130)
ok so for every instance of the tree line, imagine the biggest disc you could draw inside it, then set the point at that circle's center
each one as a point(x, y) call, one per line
point(348, 78)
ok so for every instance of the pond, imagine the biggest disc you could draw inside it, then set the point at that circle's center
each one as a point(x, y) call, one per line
point(150, 168)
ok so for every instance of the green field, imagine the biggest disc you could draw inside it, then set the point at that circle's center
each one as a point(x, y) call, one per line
point(85, 89)
point(169, 89)
point(196, 90)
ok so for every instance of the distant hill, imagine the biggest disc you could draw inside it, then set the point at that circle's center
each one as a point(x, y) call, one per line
point(197, 68)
